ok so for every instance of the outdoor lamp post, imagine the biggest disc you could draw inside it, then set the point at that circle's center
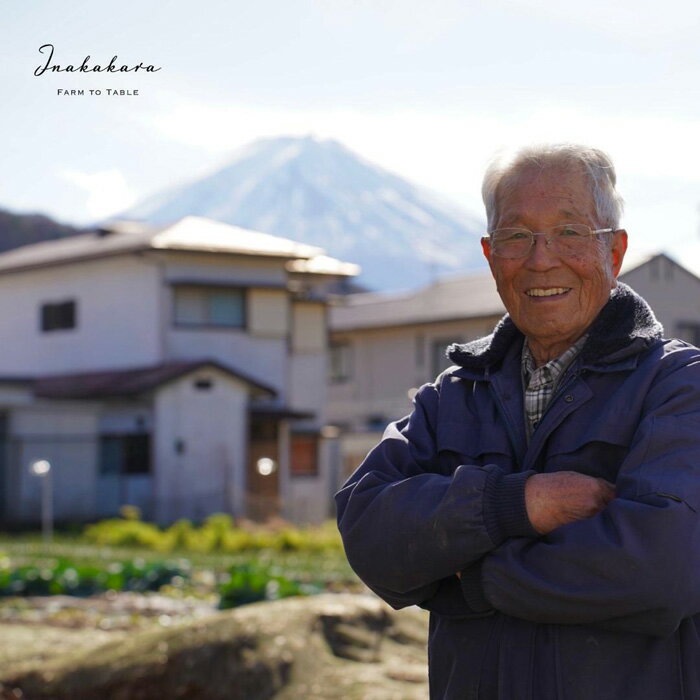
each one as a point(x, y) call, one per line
point(42, 469)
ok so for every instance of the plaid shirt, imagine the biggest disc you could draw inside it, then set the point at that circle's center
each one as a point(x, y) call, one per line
point(540, 383)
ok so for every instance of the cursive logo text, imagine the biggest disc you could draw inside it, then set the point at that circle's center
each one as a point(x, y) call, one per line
point(85, 66)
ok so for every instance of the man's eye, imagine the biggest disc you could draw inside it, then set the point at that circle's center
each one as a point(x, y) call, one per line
point(570, 232)
point(507, 236)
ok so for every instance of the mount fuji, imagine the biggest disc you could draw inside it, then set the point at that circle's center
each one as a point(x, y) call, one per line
point(319, 192)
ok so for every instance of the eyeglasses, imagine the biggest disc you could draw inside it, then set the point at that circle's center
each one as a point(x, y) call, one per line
point(565, 240)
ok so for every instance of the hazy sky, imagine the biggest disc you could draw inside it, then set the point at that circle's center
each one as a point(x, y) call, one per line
point(427, 89)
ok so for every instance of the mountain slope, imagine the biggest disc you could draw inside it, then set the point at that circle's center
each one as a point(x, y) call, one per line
point(22, 229)
point(318, 192)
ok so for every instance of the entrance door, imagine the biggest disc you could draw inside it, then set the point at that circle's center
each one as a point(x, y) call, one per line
point(262, 478)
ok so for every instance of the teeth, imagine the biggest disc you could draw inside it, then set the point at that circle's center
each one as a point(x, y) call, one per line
point(537, 292)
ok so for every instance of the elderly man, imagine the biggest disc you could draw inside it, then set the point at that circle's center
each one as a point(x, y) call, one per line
point(542, 499)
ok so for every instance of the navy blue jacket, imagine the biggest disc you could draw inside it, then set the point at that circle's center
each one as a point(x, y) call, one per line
point(602, 608)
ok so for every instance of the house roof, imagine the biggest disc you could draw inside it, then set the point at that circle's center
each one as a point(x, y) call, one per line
point(279, 412)
point(323, 265)
point(637, 258)
point(690, 264)
point(129, 382)
point(192, 234)
point(455, 297)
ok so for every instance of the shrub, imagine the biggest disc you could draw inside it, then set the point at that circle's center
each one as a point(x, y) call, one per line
point(218, 533)
point(124, 533)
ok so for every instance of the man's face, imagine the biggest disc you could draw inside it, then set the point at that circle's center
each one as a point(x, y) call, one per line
point(540, 200)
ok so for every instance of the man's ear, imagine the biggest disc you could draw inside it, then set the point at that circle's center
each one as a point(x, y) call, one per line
point(617, 250)
point(486, 248)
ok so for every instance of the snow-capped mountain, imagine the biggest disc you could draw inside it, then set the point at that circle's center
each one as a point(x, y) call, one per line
point(318, 192)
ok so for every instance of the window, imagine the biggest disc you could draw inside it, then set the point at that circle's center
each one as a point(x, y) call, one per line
point(125, 454)
point(689, 332)
point(376, 422)
point(304, 460)
point(340, 361)
point(209, 306)
point(58, 316)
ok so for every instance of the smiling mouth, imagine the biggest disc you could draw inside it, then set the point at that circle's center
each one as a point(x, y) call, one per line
point(548, 292)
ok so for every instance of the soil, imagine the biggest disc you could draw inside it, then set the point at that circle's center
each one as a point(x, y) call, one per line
point(135, 647)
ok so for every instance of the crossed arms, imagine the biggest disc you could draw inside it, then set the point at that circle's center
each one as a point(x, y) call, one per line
point(557, 547)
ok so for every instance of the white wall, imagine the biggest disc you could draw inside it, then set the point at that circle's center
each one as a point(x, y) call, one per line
point(308, 327)
point(223, 269)
point(387, 362)
point(65, 435)
point(263, 359)
point(128, 417)
point(308, 360)
point(117, 314)
point(308, 388)
point(267, 313)
point(260, 350)
point(209, 475)
point(310, 498)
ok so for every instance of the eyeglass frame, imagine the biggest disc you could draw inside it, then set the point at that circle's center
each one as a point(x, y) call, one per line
point(547, 236)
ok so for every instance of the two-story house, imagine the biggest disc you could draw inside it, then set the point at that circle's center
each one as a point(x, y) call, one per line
point(180, 369)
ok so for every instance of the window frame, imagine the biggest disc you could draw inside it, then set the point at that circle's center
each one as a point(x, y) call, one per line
point(51, 315)
point(124, 470)
point(207, 289)
point(347, 364)
point(315, 438)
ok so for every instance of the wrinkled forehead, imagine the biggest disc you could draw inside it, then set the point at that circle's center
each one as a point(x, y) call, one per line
point(564, 190)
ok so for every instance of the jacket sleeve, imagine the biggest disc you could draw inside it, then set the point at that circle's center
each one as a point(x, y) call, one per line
point(409, 521)
point(635, 566)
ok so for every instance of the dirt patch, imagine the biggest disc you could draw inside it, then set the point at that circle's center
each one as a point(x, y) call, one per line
point(328, 646)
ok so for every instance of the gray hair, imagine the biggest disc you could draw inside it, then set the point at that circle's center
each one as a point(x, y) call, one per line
point(502, 172)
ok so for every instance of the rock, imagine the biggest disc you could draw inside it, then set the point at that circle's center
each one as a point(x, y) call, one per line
point(327, 646)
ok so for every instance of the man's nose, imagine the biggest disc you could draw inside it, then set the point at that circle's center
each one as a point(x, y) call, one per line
point(541, 255)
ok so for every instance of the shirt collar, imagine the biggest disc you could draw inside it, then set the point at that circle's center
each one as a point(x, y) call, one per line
point(553, 369)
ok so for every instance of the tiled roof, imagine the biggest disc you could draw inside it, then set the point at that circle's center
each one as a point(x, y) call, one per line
point(128, 382)
point(456, 297)
point(192, 233)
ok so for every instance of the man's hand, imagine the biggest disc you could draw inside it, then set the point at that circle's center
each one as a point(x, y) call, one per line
point(558, 498)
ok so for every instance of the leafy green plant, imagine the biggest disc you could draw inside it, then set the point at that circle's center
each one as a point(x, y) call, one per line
point(251, 583)
point(63, 577)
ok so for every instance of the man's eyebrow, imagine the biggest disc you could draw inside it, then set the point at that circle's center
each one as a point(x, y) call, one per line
point(566, 212)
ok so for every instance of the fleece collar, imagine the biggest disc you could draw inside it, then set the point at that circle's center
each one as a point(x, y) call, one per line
point(625, 326)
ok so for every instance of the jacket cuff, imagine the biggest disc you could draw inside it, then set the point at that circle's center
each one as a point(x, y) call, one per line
point(505, 514)
point(473, 589)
